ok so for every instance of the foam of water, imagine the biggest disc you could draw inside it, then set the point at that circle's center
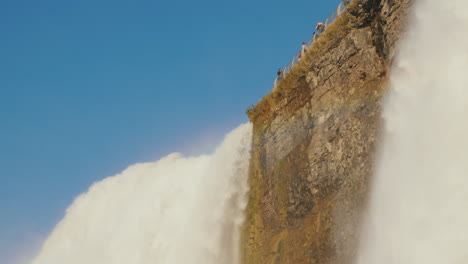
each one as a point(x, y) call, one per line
point(174, 211)
point(420, 193)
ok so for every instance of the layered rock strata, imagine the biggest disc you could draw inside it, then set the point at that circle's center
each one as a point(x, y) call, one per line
point(315, 139)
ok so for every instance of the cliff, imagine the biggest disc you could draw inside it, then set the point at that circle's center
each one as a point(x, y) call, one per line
point(314, 142)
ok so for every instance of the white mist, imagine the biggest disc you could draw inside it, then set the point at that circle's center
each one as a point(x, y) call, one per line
point(174, 211)
point(419, 201)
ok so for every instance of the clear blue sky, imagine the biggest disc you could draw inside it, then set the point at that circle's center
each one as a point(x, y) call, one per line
point(89, 87)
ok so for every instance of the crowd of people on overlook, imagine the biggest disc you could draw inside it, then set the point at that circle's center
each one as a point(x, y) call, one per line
point(320, 28)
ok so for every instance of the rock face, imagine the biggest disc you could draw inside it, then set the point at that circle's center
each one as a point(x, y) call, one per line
point(315, 137)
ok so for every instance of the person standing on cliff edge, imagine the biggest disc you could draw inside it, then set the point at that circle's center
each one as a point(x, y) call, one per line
point(303, 49)
point(280, 74)
point(320, 27)
point(279, 78)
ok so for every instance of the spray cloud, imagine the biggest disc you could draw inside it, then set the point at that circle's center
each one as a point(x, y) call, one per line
point(418, 203)
point(174, 211)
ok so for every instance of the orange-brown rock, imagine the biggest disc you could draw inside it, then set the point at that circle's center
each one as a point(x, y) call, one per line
point(314, 144)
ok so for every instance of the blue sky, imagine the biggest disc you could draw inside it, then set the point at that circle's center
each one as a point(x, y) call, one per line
point(91, 87)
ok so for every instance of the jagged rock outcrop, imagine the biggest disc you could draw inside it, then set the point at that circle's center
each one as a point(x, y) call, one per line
point(314, 142)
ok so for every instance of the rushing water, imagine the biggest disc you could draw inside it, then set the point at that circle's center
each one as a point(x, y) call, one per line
point(420, 193)
point(174, 211)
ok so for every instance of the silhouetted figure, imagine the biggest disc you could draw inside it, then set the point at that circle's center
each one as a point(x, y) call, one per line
point(280, 74)
point(279, 78)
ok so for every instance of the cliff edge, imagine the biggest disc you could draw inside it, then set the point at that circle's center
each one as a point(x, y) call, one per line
point(314, 142)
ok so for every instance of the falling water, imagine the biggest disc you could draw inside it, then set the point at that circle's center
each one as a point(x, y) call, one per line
point(418, 210)
point(174, 211)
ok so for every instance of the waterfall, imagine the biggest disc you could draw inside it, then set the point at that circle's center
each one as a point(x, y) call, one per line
point(417, 211)
point(174, 211)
